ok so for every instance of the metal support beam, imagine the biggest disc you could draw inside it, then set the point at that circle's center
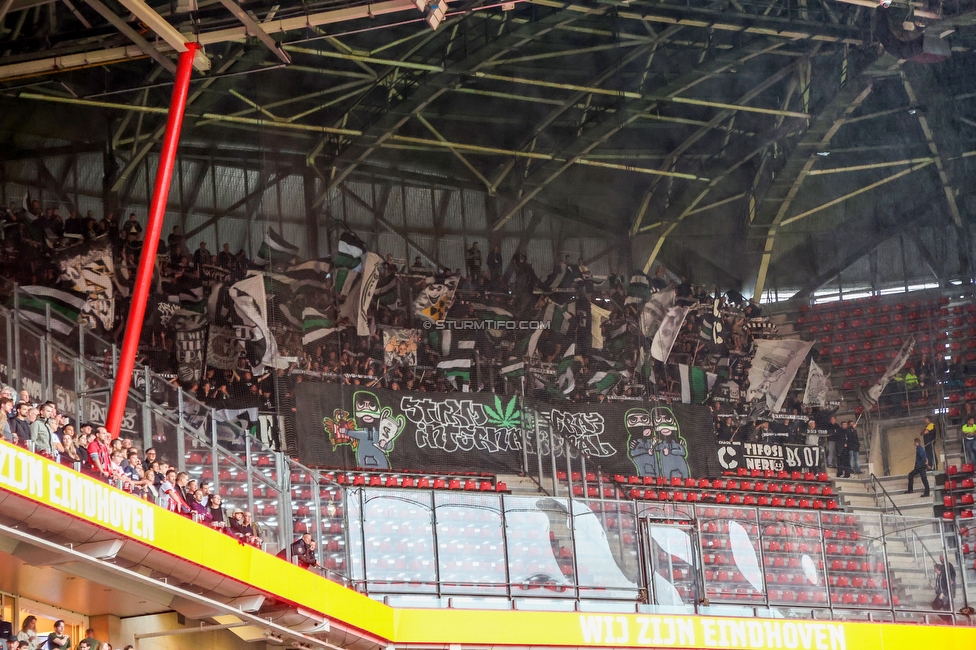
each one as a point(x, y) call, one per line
point(254, 29)
point(132, 34)
point(457, 154)
point(158, 133)
point(167, 32)
point(365, 145)
point(774, 207)
point(850, 195)
point(950, 192)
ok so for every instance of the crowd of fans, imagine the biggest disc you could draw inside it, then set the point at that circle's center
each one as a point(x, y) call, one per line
point(92, 450)
point(716, 337)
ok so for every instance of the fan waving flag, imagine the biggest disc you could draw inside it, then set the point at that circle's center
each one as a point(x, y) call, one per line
point(274, 249)
point(436, 298)
point(773, 368)
point(869, 398)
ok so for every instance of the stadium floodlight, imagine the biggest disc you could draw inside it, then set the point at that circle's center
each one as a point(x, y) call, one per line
point(434, 11)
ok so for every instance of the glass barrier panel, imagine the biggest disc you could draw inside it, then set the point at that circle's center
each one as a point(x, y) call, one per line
point(301, 486)
point(266, 500)
point(63, 391)
point(605, 537)
point(731, 555)
point(793, 558)
point(28, 360)
point(355, 549)
point(333, 510)
point(674, 565)
point(6, 356)
point(916, 563)
point(470, 544)
point(967, 550)
point(231, 483)
point(540, 556)
point(956, 584)
point(230, 433)
point(399, 541)
point(164, 435)
point(855, 560)
point(264, 461)
point(98, 353)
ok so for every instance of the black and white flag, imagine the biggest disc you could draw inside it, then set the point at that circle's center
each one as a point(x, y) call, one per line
point(774, 366)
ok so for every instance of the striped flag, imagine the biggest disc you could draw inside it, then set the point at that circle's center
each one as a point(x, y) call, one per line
point(513, 368)
point(351, 251)
point(603, 381)
point(638, 291)
point(456, 369)
point(275, 249)
point(317, 325)
point(65, 307)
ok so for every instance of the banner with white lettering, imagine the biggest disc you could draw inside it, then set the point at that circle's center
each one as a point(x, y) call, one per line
point(769, 456)
point(374, 428)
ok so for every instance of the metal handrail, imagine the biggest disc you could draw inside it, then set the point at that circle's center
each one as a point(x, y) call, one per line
point(916, 541)
point(875, 484)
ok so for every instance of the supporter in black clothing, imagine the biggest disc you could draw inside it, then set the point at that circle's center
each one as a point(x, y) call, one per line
point(225, 259)
point(302, 552)
point(495, 262)
point(853, 447)
point(19, 425)
point(131, 229)
point(841, 453)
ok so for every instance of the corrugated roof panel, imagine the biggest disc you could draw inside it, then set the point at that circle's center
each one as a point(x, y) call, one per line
point(425, 241)
point(453, 218)
point(451, 251)
point(233, 232)
point(418, 208)
point(539, 254)
point(230, 186)
point(295, 233)
point(293, 199)
point(394, 207)
point(356, 214)
point(389, 242)
point(90, 172)
point(475, 215)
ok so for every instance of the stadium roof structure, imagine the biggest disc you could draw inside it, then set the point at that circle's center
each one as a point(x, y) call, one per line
point(743, 143)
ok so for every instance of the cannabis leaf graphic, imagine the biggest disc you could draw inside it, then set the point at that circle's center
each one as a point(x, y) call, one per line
point(503, 417)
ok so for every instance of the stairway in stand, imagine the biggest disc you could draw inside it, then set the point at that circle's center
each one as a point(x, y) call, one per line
point(858, 495)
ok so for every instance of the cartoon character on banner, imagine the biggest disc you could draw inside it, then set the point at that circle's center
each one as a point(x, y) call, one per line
point(371, 431)
point(671, 447)
point(640, 441)
point(655, 445)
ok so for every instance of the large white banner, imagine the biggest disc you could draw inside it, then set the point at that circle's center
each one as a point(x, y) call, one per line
point(773, 368)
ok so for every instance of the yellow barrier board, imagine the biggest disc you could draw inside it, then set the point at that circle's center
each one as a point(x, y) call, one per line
point(656, 631)
point(57, 487)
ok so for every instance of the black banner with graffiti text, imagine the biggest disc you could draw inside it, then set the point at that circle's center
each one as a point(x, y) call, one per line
point(374, 428)
point(769, 456)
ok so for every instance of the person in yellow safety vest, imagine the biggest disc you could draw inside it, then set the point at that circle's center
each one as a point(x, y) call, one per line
point(969, 439)
point(911, 380)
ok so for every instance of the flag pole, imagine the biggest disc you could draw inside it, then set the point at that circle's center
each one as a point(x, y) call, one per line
point(154, 228)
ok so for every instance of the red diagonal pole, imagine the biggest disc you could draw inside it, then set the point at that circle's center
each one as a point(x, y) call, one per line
point(157, 211)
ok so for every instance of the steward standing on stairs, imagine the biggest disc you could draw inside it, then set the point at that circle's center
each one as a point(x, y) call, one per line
point(921, 469)
point(969, 439)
